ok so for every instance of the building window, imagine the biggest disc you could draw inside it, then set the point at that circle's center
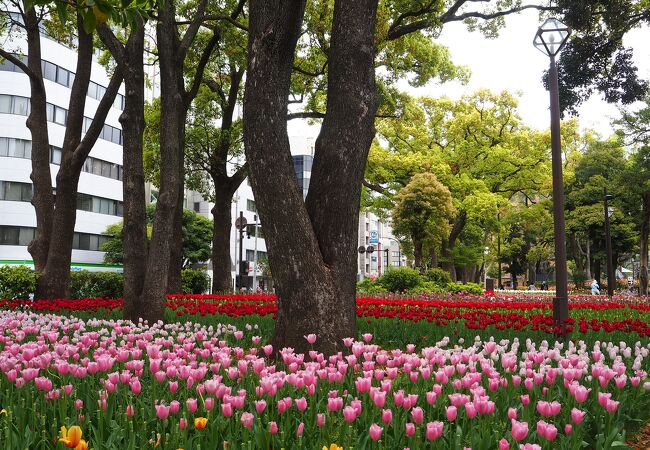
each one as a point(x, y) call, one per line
point(250, 205)
point(395, 263)
point(396, 254)
point(197, 206)
point(261, 256)
point(14, 191)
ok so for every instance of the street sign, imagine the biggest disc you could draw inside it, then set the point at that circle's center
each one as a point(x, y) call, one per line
point(370, 249)
point(373, 238)
point(362, 249)
point(241, 223)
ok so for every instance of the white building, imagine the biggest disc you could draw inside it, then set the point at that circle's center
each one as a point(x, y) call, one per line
point(386, 251)
point(100, 185)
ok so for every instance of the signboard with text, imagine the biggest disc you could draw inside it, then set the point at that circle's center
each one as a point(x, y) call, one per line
point(373, 238)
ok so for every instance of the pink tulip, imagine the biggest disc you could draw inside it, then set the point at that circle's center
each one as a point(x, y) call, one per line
point(418, 414)
point(577, 416)
point(434, 430)
point(130, 411)
point(174, 406)
point(611, 406)
point(209, 403)
point(162, 411)
point(239, 335)
point(375, 430)
point(321, 419)
point(530, 447)
point(519, 430)
point(386, 416)
point(525, 400)
point(260, 406)
point(273, 428)
point(78, 404)
point(568, 429)
point(247, 420)
point(301, 404)
point(410, 429)
point(504, 444)
point(451, 412)
point(470, 410)
point(311, 338)
point(349, 414)
point(182, 423)
point(512, 413)
point(226, 409)
point(367, 337)
point(192, 405)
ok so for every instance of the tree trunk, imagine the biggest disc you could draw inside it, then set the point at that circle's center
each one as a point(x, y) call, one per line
point(588, 266)
point(54, 281)
point(43, 198)
point(176, 251)
point(221, 228)
point(312, 244)
point(449, 244)
point(597, 272)
point(172, 118)
point(417, 253)
point(643, 244)
point(134, 232)
point(433, 254)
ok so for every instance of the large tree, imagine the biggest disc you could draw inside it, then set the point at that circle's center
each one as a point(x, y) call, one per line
point(56, 216)
point(312, 245)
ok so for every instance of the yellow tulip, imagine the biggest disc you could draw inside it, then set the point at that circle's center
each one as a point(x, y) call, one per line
point(200, 423)
point(82, 445)
point(333, 447)
point(71, 437)
point(3, 411)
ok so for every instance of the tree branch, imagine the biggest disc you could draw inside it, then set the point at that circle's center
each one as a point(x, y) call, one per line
point(191, 32)
point(200, 68)
point(86, 144)
point(108, 38)
point(374, 187)
point(21, 65)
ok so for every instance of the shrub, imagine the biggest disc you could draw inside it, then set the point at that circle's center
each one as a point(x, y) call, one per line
point(370, 286)
point(467, 288)
point(579, 277)
point(400, 279)
point(17, 282)
point(438, 276)
point(194, 281)
point(427, 287)
point(85, 284)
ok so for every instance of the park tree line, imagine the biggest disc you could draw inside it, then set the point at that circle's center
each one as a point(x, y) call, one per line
point(335, 62)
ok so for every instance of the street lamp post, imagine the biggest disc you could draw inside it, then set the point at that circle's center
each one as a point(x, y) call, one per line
point(611, 276)
point(485, 253)
point(551, 36)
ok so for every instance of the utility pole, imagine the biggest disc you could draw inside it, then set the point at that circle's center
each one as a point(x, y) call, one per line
point(255, 255)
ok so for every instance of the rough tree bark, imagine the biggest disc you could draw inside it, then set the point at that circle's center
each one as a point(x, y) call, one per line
point(311, 244)
point(418, 245)
point(134, 232)
point(175, 101)
point(449, 244)
point(54, 281)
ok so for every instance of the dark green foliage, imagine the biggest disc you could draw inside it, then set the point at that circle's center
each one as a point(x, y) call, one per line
point(400, 279)
point(467, 288)
point(194, 281)
point(438, 276)
point(85, 284)
point(16, 282)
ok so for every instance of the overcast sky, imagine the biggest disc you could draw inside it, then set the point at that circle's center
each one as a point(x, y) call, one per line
point(510, 62)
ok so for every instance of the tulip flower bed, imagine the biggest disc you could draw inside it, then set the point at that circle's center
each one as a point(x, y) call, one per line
point(117, 385)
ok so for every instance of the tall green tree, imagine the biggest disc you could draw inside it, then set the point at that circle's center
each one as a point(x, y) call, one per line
point(422, 211)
